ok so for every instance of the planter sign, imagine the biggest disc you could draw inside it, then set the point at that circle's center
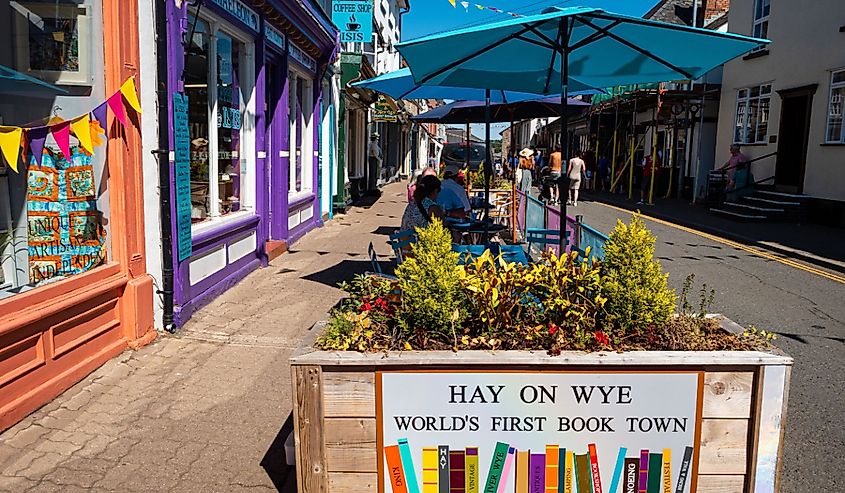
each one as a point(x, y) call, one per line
point(538, 432)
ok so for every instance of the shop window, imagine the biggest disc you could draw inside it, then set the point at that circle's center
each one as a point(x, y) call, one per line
point(53, 216)
point(300, 113)
point(752, 114)
point(762, 8)
point(835, 131)
point(219, 94)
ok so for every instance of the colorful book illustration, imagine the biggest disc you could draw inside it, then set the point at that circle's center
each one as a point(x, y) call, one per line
point(429, 470)
point(537, 473)
point(617, 471)
point(561, 469)
point(506, 471)
point(655, 467)
point(569, 472)
point(522, 475)
point(472, 476)
point(457, 471)
point(594, 468)
point(443, 469)
point(408, 466)
point(497, 463)
point(582, 473)
point(684, 473)
point(552, 468)
point(643, 486)
point(631, 476)
point(394, 469)
point(667, 470)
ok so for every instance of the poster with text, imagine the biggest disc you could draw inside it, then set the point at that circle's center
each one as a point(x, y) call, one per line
point(527, 432)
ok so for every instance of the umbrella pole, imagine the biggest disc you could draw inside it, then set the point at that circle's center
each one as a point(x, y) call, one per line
point(467, 175)
point(564, 137)
point(512, 167)
point(488, 165)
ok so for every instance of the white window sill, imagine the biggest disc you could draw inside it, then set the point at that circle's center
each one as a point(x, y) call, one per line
point(300, 197)
point(216, 222)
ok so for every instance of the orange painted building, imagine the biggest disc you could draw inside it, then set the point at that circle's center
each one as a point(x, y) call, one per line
point(58, 325)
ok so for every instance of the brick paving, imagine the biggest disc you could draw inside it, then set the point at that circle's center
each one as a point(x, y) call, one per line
point(209, 408)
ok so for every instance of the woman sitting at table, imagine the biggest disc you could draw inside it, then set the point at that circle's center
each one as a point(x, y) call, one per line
point(418, 214)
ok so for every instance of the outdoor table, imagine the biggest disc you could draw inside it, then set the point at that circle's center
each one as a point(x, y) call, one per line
point(510, 253)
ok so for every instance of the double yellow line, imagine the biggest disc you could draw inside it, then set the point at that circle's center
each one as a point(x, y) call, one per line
point(739, 246)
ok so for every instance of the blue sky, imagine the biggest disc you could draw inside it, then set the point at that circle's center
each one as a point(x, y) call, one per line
point(432, 16)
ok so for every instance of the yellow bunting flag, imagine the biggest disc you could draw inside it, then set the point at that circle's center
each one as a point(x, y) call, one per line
point(453, 3)
point(10, 144)
point(131, 95)
point(81, 127)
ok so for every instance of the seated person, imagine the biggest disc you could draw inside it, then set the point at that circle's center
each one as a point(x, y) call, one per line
point(418, 214)
point(453, 199)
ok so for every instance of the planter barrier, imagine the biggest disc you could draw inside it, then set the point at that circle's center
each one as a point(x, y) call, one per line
point(727, 407)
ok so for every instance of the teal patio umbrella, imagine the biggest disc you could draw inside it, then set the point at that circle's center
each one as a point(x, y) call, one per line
point(544, 53)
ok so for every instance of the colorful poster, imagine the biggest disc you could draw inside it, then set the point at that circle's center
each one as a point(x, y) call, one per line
point(182, 171)
point(66, 233)
point(354, 18)
point(603, 418)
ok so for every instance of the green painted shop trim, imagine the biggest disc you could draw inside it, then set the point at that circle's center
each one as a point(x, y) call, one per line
point(350, 69)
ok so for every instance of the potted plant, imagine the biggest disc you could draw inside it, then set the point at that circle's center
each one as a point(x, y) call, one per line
point(562, 375)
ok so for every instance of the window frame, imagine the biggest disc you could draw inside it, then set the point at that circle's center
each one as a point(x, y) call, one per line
point(307, 187)
point(744, 98)
point(833, 86)
point(761, 20)
point(248, 176)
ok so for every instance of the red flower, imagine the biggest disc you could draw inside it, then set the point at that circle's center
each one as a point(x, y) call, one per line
point(366, 307)
point(602, 338)
point(553, 328)
point(380, 303)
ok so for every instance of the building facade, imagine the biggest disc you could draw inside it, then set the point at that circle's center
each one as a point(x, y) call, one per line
point(74, 291)
point(248, 105)
point(786, 101)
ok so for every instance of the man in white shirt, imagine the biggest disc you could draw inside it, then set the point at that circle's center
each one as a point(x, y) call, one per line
point(374, 160)
point(453, 197)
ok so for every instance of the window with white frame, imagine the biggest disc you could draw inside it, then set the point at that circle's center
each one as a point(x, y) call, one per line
point(835, 130)
point(300, 110)
point(761, 18)
point(219, 68)
point(752, 114)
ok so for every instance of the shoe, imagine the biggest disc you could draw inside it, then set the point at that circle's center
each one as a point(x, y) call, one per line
point(575, 204)
point(640, 203)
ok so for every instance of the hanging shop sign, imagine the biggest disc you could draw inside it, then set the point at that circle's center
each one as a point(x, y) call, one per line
point(182, 168)
point(383, 111)
point(240, 11)
point(538, 432)
point(274, 36)
point(354, 18)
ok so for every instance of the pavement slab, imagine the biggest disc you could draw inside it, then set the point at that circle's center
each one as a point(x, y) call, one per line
point(207, 409)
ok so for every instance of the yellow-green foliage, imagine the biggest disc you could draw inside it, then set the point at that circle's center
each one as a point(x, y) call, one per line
point(430, 283)
point(637, 291)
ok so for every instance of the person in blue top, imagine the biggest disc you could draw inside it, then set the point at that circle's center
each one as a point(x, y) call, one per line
point(453, 199)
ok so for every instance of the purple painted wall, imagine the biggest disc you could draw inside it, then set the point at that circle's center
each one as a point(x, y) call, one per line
point(271, 136)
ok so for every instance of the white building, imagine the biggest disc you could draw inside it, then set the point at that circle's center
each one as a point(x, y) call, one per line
point(787, 99)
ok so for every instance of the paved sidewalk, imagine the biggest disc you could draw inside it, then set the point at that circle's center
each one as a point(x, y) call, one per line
point(812, 243)
point(208, 409)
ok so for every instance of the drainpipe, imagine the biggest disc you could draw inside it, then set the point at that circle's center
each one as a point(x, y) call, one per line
point(163, 155)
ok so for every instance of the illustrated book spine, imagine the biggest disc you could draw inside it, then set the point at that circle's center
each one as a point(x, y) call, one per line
point(643, 485)
point(429, 470)
point(457, 471)
point(617, 471)
point(582, 473)
point(537, 472)
point(507, 471)
point(569, 471)
point(522, 474)
point(443, 469)
point(667, 470)
point(655, 467)
point(394, 469)
point(472, 470)
point(408, 466)
point(686, 464)
point(632, 475)
point(552, 468)
point(594, 468)
point(497, 463)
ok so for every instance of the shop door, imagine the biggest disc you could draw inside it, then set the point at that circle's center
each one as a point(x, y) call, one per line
point(794, 133)
point(276, 162)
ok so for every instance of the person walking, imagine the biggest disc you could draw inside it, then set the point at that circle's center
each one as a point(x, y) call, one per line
point(374, 159)
point(555, 169)
point(650, 166)
point(575, 172)
point(603, 173)
point(526, 168)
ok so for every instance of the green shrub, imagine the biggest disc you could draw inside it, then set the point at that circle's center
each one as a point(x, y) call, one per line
point(431, 287)
point(638, 295)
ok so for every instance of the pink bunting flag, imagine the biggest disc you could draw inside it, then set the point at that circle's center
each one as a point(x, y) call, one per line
point(116, 105)
point(61, 132)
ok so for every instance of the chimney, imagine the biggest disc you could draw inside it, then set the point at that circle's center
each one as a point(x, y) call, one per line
point(715, 8)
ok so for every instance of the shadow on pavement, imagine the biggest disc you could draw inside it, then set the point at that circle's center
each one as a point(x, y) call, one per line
point(384, 230)
point(345, 270)
point(274, 464)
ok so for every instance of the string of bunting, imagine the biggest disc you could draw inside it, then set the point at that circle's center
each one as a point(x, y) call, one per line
point(466, 5)
point(87, 128)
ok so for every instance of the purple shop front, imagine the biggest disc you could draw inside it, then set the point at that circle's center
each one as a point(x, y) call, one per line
point(251, 90)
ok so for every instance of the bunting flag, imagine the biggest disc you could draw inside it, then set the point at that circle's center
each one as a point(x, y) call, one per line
point(89, 129)
point(453, 3)
point(466, 5)
point(10, 144)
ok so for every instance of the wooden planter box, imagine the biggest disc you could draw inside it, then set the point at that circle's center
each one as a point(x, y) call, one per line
point(739, 422)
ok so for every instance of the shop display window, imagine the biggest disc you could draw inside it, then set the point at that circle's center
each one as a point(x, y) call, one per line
point(218, 68)
point(300, 104)
point(54, 216)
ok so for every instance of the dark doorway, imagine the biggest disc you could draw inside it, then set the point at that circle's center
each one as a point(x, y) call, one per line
point(796, 105)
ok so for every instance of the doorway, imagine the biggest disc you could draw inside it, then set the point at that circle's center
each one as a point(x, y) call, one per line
point(794, 133)
point(276, 121)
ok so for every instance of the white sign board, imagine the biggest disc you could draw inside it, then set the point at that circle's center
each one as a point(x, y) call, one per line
point(597, 432)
